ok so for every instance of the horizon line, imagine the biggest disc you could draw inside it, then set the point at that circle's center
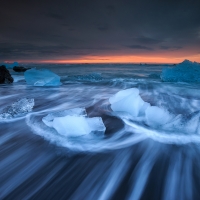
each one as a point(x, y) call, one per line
point(110, 60)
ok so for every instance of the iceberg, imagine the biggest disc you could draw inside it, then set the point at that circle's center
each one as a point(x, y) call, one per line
point(10, 65)
point(186, 71)
point(42, 77)
point(74, 123)
point(156, 116)
point(18, 108)
point(128, 101)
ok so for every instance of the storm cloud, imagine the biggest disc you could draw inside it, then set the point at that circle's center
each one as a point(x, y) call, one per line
point(68, 29)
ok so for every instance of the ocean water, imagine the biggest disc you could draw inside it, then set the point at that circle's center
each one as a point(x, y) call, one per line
point(130, 161)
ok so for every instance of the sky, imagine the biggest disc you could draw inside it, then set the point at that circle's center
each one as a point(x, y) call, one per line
point(76, 31)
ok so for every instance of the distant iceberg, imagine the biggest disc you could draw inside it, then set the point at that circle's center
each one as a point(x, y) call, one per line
point(18, 108)
point(10, 65)
point(42, 77)
point(186, 71)
point(74, 123)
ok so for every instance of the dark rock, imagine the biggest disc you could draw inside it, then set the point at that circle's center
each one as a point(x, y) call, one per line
point(20, 69)
point(5, 76)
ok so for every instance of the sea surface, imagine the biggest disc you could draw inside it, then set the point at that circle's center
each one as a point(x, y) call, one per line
point(130, 161)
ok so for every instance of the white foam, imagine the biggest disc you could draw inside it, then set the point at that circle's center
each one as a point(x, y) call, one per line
point(163, 136)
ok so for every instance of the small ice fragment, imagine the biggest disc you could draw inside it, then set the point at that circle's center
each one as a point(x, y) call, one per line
point(128, 101)
point(186, 71)
point(73, 123)
point(156, 116)
point(18, 108)
point(42, 77)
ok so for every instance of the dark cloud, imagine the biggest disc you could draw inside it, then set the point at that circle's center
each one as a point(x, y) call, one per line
point(140, 47)
point(110, 9)
point(147, 40)
point(55, 16)
point(86, 27)
point(24, 49)
point(170, 47)
point(104, 27)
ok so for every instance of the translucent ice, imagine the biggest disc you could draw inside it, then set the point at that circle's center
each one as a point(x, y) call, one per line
point(74, 122)
point(129, 101)
point(48, 120)
point(156, 116)
point(18, 108)
point(42, 77)
point(186, 71)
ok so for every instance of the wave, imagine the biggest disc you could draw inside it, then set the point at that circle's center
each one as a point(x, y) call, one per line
point(132, 129)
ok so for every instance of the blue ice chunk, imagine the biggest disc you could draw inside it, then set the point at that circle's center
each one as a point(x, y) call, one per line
point(128, 101)
point(42, 77)
point(186, 71)
point(74, 122)
point(161, 117)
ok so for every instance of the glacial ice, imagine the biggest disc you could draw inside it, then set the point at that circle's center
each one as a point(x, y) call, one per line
point(74, 122)
point(128, 101)
point(156, 116)
point(48, 120)
point(42, 77)
point(18, 108)
point(186, 71)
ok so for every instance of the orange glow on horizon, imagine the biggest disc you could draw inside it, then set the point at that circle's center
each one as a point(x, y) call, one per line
point(116, 59)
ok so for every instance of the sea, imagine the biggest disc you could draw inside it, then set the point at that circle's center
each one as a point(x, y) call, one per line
point(131, 160)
